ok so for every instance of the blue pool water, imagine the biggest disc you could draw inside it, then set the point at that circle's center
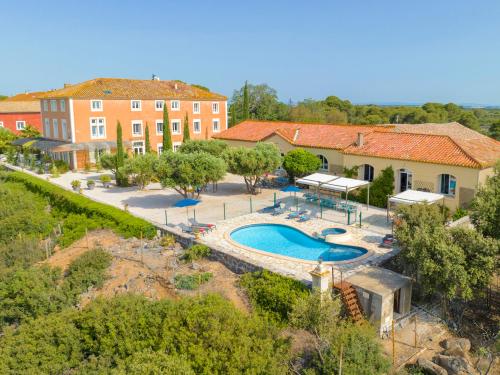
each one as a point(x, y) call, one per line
point(288, 241)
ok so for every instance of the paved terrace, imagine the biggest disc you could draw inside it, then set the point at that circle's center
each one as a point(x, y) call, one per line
point(230, 206)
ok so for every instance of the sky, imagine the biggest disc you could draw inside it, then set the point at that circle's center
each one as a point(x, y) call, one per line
point(365, 51)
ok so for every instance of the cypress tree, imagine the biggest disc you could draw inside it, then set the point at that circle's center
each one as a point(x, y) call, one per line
point(120, 153)
point(186, 136)
point(246, 113)
point(232, 114)
point(148, 143)
point(167, 136)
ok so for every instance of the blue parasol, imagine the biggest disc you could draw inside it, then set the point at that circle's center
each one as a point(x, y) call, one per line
point(291, 189)
point(186, 203)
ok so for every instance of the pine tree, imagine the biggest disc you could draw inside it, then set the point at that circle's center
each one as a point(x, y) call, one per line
point(186, 136)
point(120, 154)
point(246, 104)
point(148, 143)
point(167, 136)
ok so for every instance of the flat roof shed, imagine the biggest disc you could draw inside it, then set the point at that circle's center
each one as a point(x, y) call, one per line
point(378, 280)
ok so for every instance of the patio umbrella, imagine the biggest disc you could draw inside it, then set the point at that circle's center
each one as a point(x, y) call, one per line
point(186, 203)
point(292, 189)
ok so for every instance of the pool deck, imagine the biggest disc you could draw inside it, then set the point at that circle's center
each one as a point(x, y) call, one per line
point(296, 268)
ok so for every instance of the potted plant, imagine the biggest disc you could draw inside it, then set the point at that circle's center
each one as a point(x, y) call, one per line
point(75, 184)
point(90, 184)
point(106, 180)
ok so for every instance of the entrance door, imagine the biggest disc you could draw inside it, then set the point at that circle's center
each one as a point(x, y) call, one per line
point(138, 148)
point(397, 301)
point(405, 180)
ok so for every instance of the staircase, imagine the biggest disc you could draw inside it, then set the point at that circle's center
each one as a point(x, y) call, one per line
point(350, 300)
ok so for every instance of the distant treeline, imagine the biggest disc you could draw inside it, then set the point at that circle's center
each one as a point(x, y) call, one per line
point(261, 102)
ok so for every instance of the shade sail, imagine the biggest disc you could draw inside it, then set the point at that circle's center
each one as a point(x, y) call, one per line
point(416, 197)
point(344, 183)
point(316, 179)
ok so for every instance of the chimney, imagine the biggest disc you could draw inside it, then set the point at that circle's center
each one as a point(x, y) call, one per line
point(296, 135)
point(360, 140)
point(175, 86)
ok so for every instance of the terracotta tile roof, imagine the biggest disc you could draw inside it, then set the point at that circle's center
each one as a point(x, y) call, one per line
point(428, 143)
point(26, 96)
point(31, 106)
point(426, 148)
point(299, 134)
point(121, 88)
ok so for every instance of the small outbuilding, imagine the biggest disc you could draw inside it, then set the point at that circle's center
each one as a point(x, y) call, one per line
point(384, 295)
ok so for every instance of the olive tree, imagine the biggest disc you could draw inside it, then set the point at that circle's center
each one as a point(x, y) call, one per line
point(188, 173)
point(214, 147)
point(141, 168)
point(252, 163)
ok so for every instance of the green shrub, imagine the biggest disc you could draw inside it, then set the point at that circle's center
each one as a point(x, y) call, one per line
point(459, 213)
point(61, 166)
point(54, 171)
point(75, 225)
point(272, 293)
point(167, 241)
point(66, 201)
point(105, 178)
point(191, 282)
point(87, 271)
point(196, 252)
point(381, 187)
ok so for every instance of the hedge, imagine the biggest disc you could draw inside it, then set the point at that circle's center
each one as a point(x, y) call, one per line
point(124, 223)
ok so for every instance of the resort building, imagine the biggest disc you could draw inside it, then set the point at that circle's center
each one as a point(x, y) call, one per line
point(80, 120)
point(19, 111)
point(449, 159)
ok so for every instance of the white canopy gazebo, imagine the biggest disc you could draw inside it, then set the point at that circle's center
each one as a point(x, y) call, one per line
point(334, 183)
point(414, 197)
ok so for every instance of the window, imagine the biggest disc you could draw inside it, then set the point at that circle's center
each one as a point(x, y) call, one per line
point(62, 104)
point(215, 126)
point(215, 107)
point(448, 184)
point(96, 105)
point(46, 105)
point(97, 127)
point(196, 107)
point(176, 146)
point(175, 105)
point(55, 128)
point(135, 105)
point(159, 127)
point(176, 126)
point(136, 127)
point(367, 172)
point(197, 126)
point(20, 125)
point(64, 129)
point(159, 148)
point(405, 180)
point(159, 105)
point(323, 163)
point(138, 147)
point(46, 127)
point(53, 105)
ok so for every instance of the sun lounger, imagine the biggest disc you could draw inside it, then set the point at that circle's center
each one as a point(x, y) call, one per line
point(296, 214)
point(304, 217)
point(192, 229)
point(204, 225)
point(278, 211)
point(272, 208)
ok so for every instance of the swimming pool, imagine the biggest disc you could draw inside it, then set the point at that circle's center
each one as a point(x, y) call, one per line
point(285, 240)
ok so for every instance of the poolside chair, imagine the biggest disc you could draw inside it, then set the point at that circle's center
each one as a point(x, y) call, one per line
point(304, 217)
point(296, 214)
point(273, 207)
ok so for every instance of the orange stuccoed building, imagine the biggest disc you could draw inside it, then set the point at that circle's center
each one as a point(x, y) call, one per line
point(80, 120)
